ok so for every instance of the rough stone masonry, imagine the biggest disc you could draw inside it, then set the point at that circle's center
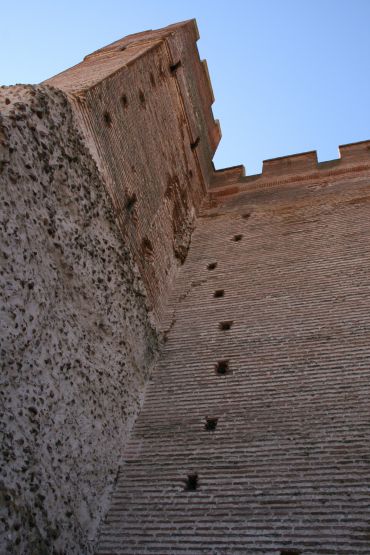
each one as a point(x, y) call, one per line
point(185, 352)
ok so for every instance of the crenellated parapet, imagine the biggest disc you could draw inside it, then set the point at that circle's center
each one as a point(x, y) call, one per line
point(292, 169)
point(286, 165)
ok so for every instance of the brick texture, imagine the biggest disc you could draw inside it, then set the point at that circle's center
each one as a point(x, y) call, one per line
point(288, 465)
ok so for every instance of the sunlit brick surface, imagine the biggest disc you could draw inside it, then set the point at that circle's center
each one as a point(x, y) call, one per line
point(144, 106)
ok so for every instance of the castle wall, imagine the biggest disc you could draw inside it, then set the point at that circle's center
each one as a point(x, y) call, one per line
point(286, 469)
point(77, 344)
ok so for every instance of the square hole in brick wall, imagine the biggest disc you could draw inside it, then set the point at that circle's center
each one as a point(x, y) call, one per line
point(237, 237)
point(194, 145)
point(212, 266)
point(191, 483)
point(175, 67)
point(211, 423)
point(222, 367)
point(130, 202)
point(219, 293)
point(107, 119)
point(224, 326)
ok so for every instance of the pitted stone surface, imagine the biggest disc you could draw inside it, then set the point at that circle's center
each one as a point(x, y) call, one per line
point(76, 341)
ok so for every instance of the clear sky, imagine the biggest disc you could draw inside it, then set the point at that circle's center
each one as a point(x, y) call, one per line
point(288, 75)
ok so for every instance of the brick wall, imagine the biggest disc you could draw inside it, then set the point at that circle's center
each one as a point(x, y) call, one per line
point(287, 468)
point(144, 104)
point(254, 435)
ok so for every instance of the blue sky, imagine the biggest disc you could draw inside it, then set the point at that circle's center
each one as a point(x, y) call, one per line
point(288, 76)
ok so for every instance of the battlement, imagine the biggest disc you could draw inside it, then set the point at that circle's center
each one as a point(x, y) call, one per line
point(294, 163)
point(355, 152)
point(307, 162)
point(293, 168)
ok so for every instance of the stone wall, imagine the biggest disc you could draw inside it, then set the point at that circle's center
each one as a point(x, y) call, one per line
point(77, 344)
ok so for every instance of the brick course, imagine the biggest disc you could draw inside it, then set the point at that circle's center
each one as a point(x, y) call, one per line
point(288, 463)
